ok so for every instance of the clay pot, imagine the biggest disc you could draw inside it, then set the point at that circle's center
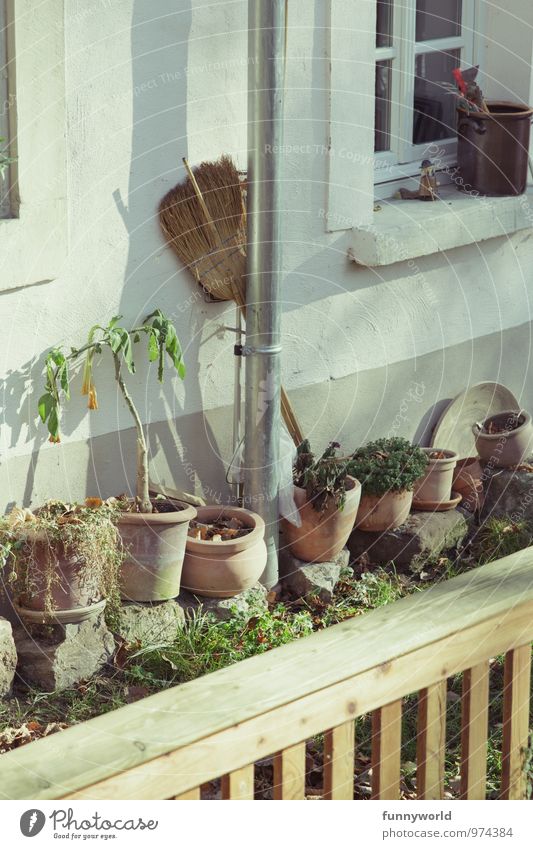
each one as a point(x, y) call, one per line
point(226, 568)
point(154, 544)
point(322, 535)
point(510, 448)
point(435, 485)
point(73, 591)
point(384, 512)
point(468, 482)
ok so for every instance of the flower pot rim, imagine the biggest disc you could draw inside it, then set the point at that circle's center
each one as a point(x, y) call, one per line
point(185, 514)
point(496, 437)
point(436, 461)
point(228, 546)
point(487, 116)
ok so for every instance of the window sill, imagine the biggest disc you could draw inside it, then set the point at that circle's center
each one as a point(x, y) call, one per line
point(404, 229)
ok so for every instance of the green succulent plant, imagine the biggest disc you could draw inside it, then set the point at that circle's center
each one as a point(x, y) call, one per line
point(387, 465)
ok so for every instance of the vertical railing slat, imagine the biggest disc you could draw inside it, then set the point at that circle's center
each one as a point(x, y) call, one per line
point(431, 741)
point(474, 731)
point(239, 784)
point(516, 698)
point(192, 794)
point(386, 751)
point(339, 761)
point(289, 773)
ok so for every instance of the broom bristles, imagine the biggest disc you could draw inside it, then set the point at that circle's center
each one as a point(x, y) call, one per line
point(218, 269)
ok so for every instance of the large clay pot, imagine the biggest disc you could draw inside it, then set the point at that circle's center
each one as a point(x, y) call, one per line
point(384, 512)
point(435, 485)
point(74, 591)
point(322, 535)
point(510, 448)
point(154, 544)
point(226, 568)
point(468, 482)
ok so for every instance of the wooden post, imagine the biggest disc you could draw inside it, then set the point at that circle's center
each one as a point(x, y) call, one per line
point(339, 756)
point(289, 773)
point(239, 784)
point(515, 722)
point(386, 751)
point(431, 740)
point(474, 731)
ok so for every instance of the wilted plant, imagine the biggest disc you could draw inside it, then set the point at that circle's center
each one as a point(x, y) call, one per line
point(162, 342)
point(324, 477)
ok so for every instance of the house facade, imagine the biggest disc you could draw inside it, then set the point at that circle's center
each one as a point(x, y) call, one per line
point(389, 309)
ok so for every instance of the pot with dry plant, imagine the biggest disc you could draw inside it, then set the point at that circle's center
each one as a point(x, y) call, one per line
point(153, 530)
point(504, 439)
point(62, 561)
point(327, 498)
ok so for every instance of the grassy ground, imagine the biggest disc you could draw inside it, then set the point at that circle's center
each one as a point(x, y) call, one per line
point(204, 645)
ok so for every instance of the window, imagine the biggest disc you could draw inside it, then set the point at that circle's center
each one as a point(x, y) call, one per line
point(418, 44)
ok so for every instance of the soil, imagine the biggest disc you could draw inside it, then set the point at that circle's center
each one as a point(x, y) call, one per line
point(159, 505)
point(438, 455)
point(503, 424)
point(221, 531)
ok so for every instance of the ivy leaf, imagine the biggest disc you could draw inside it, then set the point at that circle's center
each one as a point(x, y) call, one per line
point(45, 406)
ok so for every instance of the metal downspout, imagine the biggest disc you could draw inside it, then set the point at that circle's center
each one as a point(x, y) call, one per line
point(266, 40)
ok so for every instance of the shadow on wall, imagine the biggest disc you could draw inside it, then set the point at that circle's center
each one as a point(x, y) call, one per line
point(159, 56)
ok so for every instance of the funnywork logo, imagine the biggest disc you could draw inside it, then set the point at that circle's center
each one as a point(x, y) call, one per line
point(32, 822)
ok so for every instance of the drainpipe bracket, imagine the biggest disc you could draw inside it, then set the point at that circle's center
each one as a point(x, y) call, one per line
point(249, 350)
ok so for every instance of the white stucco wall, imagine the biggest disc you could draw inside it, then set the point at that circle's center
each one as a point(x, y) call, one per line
point(147, 83)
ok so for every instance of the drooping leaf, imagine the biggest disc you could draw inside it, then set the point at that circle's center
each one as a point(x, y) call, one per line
point(53, 422)
point(45, 405)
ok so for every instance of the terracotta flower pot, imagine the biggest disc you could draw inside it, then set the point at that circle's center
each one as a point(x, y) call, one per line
point(384, 512)
point(154, 544)
point(435, 486)
point(508, 448)
point(468, 482)
point(322, 535)
point(73, 591)
point(226, 568)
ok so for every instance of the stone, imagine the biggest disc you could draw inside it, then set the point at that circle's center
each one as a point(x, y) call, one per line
point(150, 622)
point(248, 603)
point(303, 579)
point(508, 492)
point(60, 656)
point(8, 657)
point(422, 536)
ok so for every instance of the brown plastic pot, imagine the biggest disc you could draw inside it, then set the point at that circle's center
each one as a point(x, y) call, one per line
point(435, 485)
point(510, 448)
point(468, 482)
point(154, 544)
point(74, 587)
point(229, 567)
point(493, 148)
point(322, 535)
point(384, 512)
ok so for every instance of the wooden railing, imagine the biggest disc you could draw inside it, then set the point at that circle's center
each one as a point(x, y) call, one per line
point(167, 745)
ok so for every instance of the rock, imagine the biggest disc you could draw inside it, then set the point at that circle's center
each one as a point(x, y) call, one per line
point(422, 536)
point(508, 492)
point(319, 579)
point(150, 622)
point(8, 657)
point(60, 656)
point(249, 603)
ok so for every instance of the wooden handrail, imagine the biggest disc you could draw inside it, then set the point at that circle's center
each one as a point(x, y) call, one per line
point(167, 744)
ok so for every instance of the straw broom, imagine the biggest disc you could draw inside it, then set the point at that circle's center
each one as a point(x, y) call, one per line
point(204, 221)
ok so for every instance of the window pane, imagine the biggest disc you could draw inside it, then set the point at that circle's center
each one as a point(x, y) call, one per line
point(382, 117)
point(434, 107)
point(438, 19)
point(384, 23)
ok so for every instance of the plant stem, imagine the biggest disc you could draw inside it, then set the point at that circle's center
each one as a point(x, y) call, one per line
point(143, 495)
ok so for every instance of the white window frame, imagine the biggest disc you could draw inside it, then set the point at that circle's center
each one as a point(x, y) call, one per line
point(34, 240)
point(404, 157)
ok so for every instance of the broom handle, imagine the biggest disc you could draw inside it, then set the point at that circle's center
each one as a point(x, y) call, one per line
point(287, 410)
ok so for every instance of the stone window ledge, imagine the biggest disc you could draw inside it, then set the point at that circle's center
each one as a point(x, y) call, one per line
point(404, 229)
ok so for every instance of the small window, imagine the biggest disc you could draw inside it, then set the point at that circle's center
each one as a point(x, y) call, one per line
point(418, 44)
